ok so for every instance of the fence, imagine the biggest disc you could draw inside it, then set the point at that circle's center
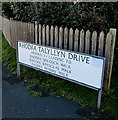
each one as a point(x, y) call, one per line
point(64, 38)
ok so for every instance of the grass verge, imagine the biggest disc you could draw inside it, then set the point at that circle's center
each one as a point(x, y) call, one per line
point(58, 87)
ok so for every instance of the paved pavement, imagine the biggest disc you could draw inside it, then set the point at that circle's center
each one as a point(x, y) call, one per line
point(17, 103)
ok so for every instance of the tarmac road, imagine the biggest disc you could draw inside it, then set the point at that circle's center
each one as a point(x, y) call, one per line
point(17, 103)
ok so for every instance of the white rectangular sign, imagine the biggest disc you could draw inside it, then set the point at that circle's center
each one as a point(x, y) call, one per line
point(77, 67)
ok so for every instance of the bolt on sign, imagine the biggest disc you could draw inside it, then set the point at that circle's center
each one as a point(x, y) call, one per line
point(76, 67)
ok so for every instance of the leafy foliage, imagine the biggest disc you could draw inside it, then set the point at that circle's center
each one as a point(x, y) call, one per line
point(93, 16)
point(79, 15)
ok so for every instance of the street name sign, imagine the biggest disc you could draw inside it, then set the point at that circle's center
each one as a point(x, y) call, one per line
point(80, 68)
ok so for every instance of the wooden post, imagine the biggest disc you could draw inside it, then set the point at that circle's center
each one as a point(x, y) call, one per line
point(94, 42)
point(11, 31)
point(87, 42)
point(65, 38)
point(0, 23)
point(56, 44)
point(36, 32)
point(40, 33)
point(52, 36)
point(81, 45)
point(47, 35)
point(32, 32)
point(28, 32)
point(30, 27)
point(15, 33)
point(71, 39)
point(101, 44)
point(10, 27)
point(61, 37)
point(22, 31)
point(23, 25)
point(43, 35)
point(113, 33)
point(107, 56)
point(76, 40)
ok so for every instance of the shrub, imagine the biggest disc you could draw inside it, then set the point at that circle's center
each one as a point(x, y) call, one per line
point(92, 16)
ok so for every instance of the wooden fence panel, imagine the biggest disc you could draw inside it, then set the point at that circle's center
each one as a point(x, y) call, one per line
point(3, 25)
point(52, 36)
point(71, 39)
point(27, 32)
point(32, 33)
point(60, 37)
point(66, 38)
point(82, 41)
point(94, 43)
point(30, 36)
point(110, 60)
point(47, 35)
point(107, 56)
point(101, 44)
point(36, 33)
point(81, 45)
point(13, 31)
point(10, 33)
point(76, 40)
point(22, 30)
point(56, 34)
point(6, 29)
point(40, 37)
point(1, 22)
point(43, 35)
point(14, 38)
point(87, 42)
point(18, 30)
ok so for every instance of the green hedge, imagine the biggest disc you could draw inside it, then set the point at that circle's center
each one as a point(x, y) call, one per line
point(80, 15)
point(92, 16)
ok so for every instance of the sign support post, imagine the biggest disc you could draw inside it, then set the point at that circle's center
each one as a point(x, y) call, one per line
point(99, 98)
point(18, 64)
point(18, 69)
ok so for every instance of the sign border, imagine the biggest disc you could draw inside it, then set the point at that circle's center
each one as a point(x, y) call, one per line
point(85, 85)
